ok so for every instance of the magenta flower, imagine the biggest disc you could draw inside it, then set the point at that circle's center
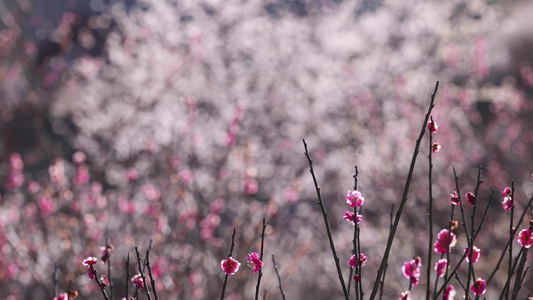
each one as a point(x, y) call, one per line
point(230, 266)
point(62, 296)
point(354, 198)
point(411, 270)
point(441, 244)
point(435, 147)
point(138, 280)
point(351, 217)
point(455, 198)
point(405, 296)
point(432, 126)
point(449, 293)
point(471, 198)
point(507, 203)
point(253, 262)
point(479, 287)
point(506, 192)
point(89, 261)
point(362, 260)
point(475, 254)
point(106, 253)
point(441, 266)
point(524, 238)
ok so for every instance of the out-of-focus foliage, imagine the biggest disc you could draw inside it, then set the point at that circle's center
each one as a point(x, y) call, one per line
point(191, 115)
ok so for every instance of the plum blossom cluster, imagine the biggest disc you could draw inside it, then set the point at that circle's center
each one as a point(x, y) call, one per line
point(88, 262)
point(361, 262)
point(475, 254)
point(433, 127)
point(440, 267)
point(445, 241)
point(411, 270)
point(507, 199)
point(230, 266)
point(353, 199)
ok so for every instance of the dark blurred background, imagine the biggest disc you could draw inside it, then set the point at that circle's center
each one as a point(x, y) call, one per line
point(179, 120)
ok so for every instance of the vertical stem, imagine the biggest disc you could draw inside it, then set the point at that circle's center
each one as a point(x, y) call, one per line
point(430, 214)
point(385, 258)
point(279, 279)
point(127, 274)
point(509, 274)
point(229, 255)
point(54, 276)
point(261, 259)
point(328, 229)
point(141, 267)
point(150, 274)
point(470, 248)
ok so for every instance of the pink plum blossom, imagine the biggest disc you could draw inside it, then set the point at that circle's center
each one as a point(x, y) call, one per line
point(507, 203)
point(254, 262)
point(479, 287)
point(362, 260)
point(411, 270)
point(449, 293)
point(138, 280)
point(230, 266)
point(441, 243)
point(354, 199)
point(351, 217)
point(441, 266)
point(506, 192)
point(435, 147)
point(525, 238)
point(471, 198)
point(455, 198)
point(475, 254)
point(405, 296)
point(62, 296)
point(89, 261)
point(432, 126)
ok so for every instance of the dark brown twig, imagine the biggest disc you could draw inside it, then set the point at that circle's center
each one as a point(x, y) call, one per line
point(229, 255)
point(139, 261)
point(328, 229)
point(150, 274)
point(279, 278)
point(385, 258)
point(98, 281)
point(261, 259)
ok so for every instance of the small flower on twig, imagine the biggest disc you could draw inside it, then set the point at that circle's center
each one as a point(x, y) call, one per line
point(435, 147)
point(230, 266)
point(73, 294)
point(455, 198)
point(62, 296)
point(411, 270)
point(449, 293)
point(441, 244)
point(106, 253)
point(479, 287)
point(354, 198)
point(441, 266)
point(475, 254)
point(362, 260)
point(525, 238)
point(87, 263)
point(352, 217)
point(405, 296)
point(138, 280)
point(432, 126)
point(471, 198)
point(253, 262)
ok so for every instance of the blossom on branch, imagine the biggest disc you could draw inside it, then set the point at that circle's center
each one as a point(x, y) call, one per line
point(351, 217)
point(475, 254)
point(411, 270)
point(230, 266)
point(362, 260)
point(354, 198)
point(441, 267)
point(479, 287)
point(254, 262)
point(525, 238)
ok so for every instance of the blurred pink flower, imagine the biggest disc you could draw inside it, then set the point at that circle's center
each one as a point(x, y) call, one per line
point(137, 280)
point(471, 198)
point(362, 260)
point(352, 218)
point(441, 243)
point(89, 261)
point(524, 238)
point(186, 176)
point(106, 253)
point(250, 186)
point(62, 296)
point(151, 193)
point(47, 206)
point(354, 198)
point(405, 296)
point(479, 287)
point(132, 174)
point(14, 181)
point(432, 126)
point(449, 293)
point(475, 254)
point(254, 262)
point(230, 266)
point(15, 163)
point(441, 266)
point(435, 147)
point(506, 192)
point(79, 157)
point(82, 175)
point(411, 270)
point(455, 198)
point(507, 203)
